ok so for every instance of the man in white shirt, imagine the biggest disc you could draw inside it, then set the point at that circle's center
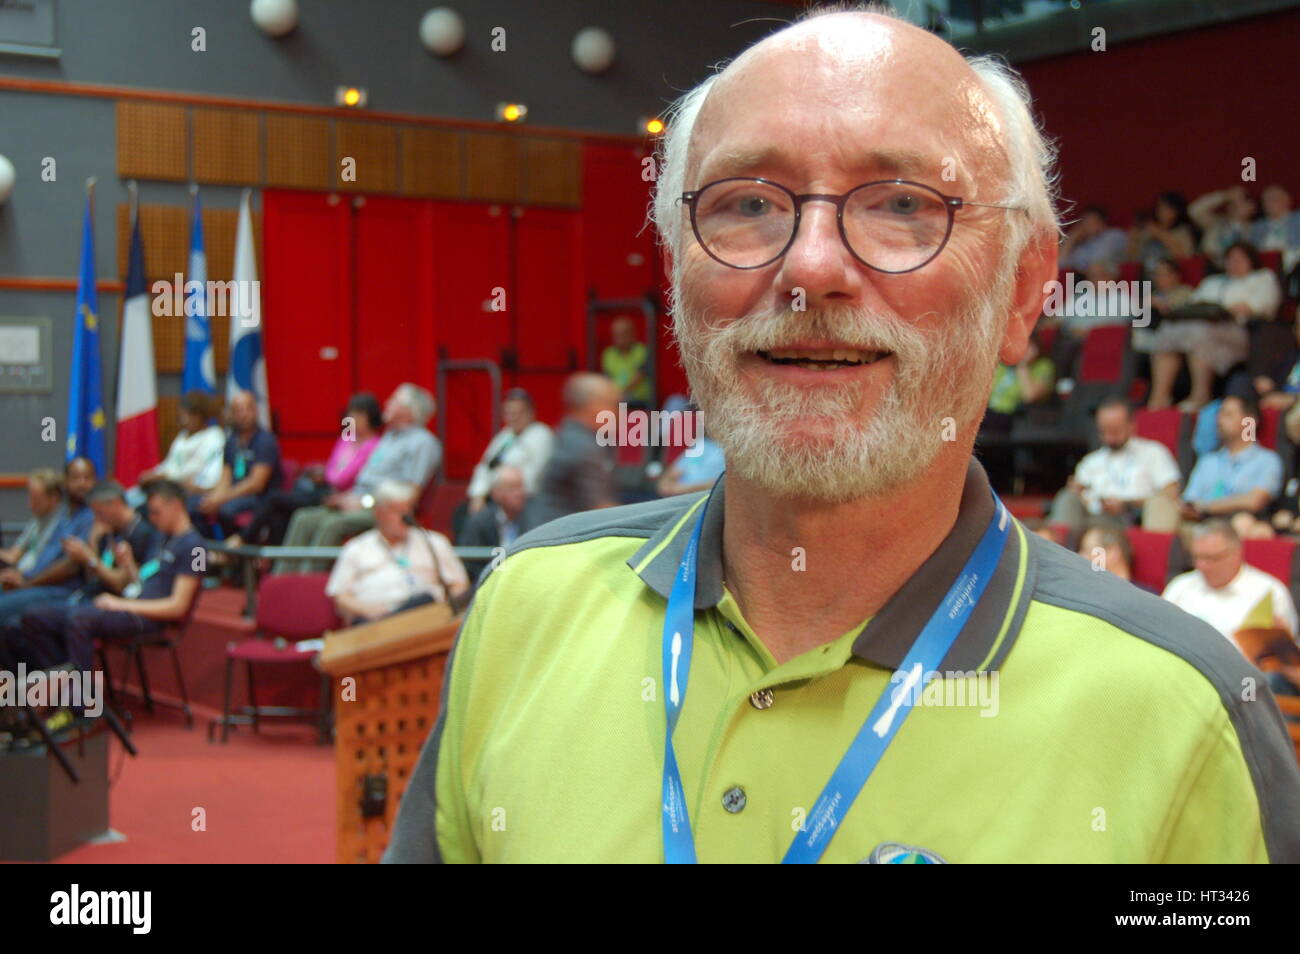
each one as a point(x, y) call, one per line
point(1114, 483)
point(524, 442)
point(391, 567)
point(1223, 589)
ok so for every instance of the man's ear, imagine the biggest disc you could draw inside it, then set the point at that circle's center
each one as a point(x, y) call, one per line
point(1036, 268)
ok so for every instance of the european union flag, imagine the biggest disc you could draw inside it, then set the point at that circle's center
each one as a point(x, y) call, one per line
point(86, 387)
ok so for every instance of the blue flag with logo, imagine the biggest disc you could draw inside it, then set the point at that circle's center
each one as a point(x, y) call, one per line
point(200, 368)
point(86, 384)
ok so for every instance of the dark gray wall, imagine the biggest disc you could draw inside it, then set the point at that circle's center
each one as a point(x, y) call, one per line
point(664, 47)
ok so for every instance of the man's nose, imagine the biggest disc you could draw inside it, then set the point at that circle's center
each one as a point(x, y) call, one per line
point(818, 261)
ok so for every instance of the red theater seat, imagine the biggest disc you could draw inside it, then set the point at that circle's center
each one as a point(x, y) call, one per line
point(1130, 271)
point(1164, 426)
point(1192, 269)
point(1150, 556)
point(1103, 355)
point(1270, 422)
point(1272, 259)
point(1274, 556)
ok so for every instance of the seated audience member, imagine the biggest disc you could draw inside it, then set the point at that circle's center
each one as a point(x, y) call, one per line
point(508, 515)
point(1166, 233)
point(250, 469)
point(120, 539)
point(161, 590)
point(1109, 549)
point(407, 453)
point(53, 575)
point(1114, 483)
point(1101, 301)
point(1168, 293)
point(1224, 589)
point(1279, 227)
point(1281, 393)
point(624, 362)
point(695, 469)
point(358, 441)
point(389, 569)
point(44, 494)
point(1212, 346)
point(523, 443)
point(580, 474)
point(1092, 239)
point(1225, 217)
point(1029, 382)
point(195, 456)
point(1239, 476)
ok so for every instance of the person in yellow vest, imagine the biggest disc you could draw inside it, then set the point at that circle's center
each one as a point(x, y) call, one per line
point(624, 362)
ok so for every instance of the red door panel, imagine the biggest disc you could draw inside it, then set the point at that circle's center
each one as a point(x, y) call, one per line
point(394, 294)
point(306, 303)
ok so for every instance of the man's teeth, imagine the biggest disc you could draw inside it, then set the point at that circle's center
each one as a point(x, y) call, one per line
point(839, 355)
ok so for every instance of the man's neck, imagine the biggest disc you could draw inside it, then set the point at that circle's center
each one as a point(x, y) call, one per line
point(1236, 447)
point(856, 555)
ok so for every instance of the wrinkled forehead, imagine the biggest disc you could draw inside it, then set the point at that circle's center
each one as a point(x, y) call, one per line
point(859, 96)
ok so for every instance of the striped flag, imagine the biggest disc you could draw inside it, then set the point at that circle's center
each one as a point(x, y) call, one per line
point(86, 387)
point(137, 390)
point(200, 368)
point(247, 367)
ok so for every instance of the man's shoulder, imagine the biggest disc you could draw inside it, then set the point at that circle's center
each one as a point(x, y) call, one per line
point(1069, 582)
point(639, 520)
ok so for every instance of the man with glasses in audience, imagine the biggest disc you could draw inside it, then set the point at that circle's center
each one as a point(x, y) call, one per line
point(858, 226)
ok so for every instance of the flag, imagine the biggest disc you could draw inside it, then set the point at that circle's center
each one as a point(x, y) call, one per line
point(86, 387)
point(247, 367)
point(137, 390)
point(200, 369)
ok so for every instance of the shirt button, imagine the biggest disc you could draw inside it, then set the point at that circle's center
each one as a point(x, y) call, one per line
point(762, 699)
point(733, 799)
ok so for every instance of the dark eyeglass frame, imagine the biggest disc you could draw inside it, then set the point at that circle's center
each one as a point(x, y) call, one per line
point(950, 202)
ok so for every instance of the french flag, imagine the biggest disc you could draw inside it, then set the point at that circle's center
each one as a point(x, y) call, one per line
point(137, 392)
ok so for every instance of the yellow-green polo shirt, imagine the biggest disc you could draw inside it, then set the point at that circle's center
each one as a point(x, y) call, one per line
point(1120, 730)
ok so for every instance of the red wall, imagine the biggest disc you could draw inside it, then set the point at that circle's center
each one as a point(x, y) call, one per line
point(1175, 112)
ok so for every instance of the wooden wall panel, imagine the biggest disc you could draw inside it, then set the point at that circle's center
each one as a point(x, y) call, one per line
point(168, 421)
point(433, 163)
point(553, 173)
point(373, 146)
point(298, 153)
point(164, 229)
point(152, 141)
point(227, 146)
point(494, 168)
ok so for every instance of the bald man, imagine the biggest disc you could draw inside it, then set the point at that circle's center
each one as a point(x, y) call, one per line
point(580, 472)
point(250, 469)
point(846, 650)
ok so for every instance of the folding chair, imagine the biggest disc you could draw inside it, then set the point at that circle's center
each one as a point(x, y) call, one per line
point(169, 638)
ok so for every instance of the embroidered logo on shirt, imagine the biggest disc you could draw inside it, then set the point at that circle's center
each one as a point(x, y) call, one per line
point(893, 853)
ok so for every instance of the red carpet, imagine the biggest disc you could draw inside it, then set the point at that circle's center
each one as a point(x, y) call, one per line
point(267, 797)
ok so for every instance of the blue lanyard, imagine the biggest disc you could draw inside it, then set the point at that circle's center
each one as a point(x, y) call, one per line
point(880, 727)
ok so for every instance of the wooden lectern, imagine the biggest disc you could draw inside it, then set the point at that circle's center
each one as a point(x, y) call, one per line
point(383, 717)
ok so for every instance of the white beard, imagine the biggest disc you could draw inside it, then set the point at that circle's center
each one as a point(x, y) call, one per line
point(938, 375)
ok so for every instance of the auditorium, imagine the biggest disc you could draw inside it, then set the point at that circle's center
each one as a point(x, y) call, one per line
point(523, 431)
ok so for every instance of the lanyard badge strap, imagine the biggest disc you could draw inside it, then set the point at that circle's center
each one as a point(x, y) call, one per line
point(679, 637)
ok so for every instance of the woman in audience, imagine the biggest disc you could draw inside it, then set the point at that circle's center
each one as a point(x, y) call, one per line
point(1212, 343)
point(194, 459)
point(1167, 233)
point(362, 421)
point(1225, 217)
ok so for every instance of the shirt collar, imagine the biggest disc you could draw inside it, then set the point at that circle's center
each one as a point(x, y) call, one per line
point(983, 642)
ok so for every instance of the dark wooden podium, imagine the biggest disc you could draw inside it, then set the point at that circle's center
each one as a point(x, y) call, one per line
point(387, 680)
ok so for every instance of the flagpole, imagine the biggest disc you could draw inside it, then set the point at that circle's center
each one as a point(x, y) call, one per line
point(133, 203)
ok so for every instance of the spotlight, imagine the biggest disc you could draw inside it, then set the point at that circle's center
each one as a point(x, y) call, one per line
point(511, 112)
point(351, 97)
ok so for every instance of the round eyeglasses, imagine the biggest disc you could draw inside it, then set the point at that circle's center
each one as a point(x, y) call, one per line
point(892, 226)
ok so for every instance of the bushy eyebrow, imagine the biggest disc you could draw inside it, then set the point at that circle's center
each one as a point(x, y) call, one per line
point(889, 162)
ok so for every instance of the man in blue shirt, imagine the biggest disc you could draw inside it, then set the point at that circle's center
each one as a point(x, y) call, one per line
point(55, 574)
point(162, 589)
point(1239, 476)
point(250, 469)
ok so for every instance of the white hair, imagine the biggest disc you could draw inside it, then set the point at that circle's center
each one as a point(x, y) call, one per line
point(1031, 180)
point(395, 491)
point(419, 400)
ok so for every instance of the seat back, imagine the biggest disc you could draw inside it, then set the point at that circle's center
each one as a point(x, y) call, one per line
point(1103, 355)
point(1192, 269)
point(1275, 557)
point(1164, 426)
point(1150, 557)
point(1270, 425)
point(294, 605)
